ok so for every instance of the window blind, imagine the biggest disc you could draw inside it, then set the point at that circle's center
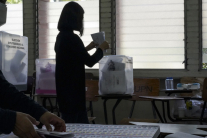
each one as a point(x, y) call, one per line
point(204, 33)
point(152, 32)
point(49, 13)
point(14, 22)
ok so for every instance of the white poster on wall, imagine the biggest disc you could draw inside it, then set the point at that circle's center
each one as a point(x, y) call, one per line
point(14, 57)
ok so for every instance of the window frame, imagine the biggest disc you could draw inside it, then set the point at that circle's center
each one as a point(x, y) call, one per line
point(192, 66)
point(201, 36)
point(185, 38)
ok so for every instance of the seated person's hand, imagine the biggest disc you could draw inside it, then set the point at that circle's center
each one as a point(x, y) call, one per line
point(104, 45)
point(48, 118)
point(24, 126)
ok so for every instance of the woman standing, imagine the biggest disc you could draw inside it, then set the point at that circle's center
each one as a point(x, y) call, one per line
point(71, 57)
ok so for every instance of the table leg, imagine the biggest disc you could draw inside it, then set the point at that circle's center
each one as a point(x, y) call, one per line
point(154, 112)
point(44, 102)
point(91, 108)
point(168, 112)
point(113, 111)
point(50, 105)
point(56, 104)
point(105, 111)
point(163, 110)
point(132, 109)
point(201, 118)
point(158, 113)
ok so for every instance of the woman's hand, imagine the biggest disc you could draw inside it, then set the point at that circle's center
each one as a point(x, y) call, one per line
point(91, 46)
point(104, 46)
point(24, 126)
point(51, 119)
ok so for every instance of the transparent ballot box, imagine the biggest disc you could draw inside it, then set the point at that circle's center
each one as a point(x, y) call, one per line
point(14, 58)
point(45, 76)
point(116, 75)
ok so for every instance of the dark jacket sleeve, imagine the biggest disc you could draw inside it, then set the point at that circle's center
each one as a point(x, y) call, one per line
point(83, 55)
point(7, 121)
point(91, 60)
point(12, 99)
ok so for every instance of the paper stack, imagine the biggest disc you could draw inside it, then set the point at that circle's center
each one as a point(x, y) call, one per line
point(54, 133)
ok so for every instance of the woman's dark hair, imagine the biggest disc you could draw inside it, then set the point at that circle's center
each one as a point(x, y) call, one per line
point(71, 18)
point(3, 1)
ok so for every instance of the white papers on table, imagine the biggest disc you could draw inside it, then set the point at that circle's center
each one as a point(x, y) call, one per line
point(182, 135)
point(54, 133)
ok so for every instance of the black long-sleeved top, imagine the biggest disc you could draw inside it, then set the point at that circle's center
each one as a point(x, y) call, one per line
point(11, 100)
point(71, 56)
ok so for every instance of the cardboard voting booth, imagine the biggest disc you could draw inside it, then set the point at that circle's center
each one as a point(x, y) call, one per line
point(14, 58)
point(45, 76)
point(116, 75)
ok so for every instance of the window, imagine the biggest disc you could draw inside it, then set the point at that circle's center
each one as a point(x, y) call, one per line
point(152, 32)
point(49, 13)
point(14, 22)
point(204, 34)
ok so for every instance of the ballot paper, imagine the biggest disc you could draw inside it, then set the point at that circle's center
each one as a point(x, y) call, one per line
point(98, 38)
point(182, 135)
point(55, 133)
point(115, 63)
point(113, 82)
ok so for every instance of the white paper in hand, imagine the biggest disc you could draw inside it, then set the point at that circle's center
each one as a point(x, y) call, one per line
point(55, 133)
point(98, 38)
